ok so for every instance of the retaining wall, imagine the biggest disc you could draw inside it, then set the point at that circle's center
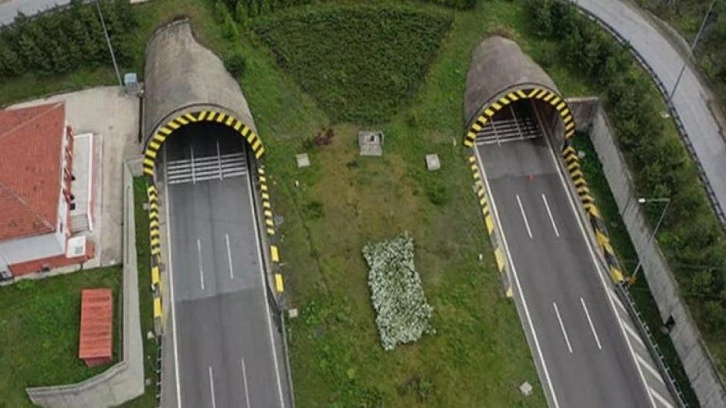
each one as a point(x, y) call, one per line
point(697, 361)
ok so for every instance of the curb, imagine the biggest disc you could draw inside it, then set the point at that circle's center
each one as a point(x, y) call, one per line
point(482, 196)
point(155, 241)
point(572, 162)
point(270, 227)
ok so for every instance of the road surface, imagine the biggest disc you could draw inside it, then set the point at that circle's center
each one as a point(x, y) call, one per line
point(227, 344)
point(584, 357)
point(691, 98)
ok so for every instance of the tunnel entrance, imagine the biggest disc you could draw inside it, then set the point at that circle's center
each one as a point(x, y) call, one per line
point(516, 122)
point(204, 151)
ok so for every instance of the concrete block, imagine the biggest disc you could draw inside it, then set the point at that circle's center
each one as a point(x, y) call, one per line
point(370, 143)
point(526, 389)
point(292, 313)
point(302, 160)
point(432, 162)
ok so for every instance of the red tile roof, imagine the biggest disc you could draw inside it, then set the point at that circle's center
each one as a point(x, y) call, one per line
point(95, 344)
point(30, 169)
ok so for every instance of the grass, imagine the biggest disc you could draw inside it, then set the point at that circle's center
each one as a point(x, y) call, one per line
point(371, 69)
point(39, 329)
point(143, 259)
point(625, 252)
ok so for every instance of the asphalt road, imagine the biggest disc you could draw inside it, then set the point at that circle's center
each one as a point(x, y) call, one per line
point(227, 343)
point(584, 352)
point(9, 10)
point(691, 97)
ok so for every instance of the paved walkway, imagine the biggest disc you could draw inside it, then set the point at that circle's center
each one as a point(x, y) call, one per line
point(691, 99)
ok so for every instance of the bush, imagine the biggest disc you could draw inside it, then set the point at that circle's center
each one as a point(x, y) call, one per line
point(402, 312)
point(235, 64)
point(62, 40)
point(360, 63)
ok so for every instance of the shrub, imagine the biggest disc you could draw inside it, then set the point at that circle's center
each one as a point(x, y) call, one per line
point(235, 64)
point(360, 63)
point(402, 312)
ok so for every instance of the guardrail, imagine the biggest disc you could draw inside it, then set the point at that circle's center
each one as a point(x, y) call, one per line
point(671, 110)
point(653, 349)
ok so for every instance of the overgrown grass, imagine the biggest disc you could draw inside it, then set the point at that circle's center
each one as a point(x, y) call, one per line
point(625, 252)
point(143, 259)
point(39, 332)
point(374, 64)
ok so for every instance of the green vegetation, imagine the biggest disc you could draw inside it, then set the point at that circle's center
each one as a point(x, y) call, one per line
point(686, 16)
point(626, 254)
point(374, 65)
point(62, 41)
point(143, 259)
point(691, 236)
point(39, 329)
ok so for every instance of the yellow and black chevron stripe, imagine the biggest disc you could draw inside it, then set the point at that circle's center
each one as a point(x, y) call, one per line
point(155, 242)
point(537, 93)
point(208, 115)
point(266, 206)
point(572, 162)
point(486, 213)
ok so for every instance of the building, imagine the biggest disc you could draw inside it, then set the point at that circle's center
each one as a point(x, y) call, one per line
point(43, 193)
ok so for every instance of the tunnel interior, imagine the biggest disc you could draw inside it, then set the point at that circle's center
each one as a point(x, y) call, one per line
point(204, 151)
point(521, 120)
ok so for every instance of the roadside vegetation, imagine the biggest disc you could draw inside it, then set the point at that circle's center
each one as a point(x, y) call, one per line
point(686, 17)
point(40, 328)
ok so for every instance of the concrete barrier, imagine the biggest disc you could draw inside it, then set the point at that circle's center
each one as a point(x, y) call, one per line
point(125, 380)
point(698, 363)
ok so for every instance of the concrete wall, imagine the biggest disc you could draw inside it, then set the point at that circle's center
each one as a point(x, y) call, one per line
point(697, 361)
point(125, 380)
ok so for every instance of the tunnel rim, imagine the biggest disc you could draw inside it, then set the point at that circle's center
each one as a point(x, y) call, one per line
point(526, 90)
point(196, 114)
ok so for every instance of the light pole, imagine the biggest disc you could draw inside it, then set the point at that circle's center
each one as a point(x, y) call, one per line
point(690, 53)
point(108, 41)
point(633, 277)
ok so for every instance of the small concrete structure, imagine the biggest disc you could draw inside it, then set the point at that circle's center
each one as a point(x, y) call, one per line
point(526, 389)
point(371, 143)
point(432, 162)
point(302, 160)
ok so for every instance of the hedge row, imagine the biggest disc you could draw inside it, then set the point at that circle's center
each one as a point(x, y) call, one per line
point(691, 235)
point(63, 40)
point(360, 63)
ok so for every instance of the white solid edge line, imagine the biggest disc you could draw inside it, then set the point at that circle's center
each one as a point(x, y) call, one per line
point(634, 334)
point(264, 291)
point(171, 289)
point(562, 327)
point(229, 257)
point(520, 293)
point(552, 219)
point(211, 388)
point(660, 398)
point(650, 368)
point(617, 301)
point(524, 217)
point(592, 326)
point(594, 257)
point(201, 269)
point(244, 379)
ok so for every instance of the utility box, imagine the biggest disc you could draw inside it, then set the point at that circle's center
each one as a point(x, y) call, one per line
point(370, 143)
point(131, 84)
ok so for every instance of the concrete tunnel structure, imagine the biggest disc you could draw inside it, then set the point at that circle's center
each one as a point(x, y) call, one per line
point(186, 83)
point(501, 74)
